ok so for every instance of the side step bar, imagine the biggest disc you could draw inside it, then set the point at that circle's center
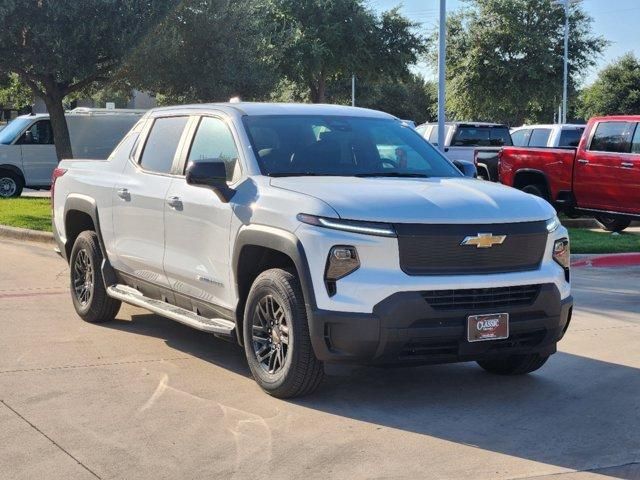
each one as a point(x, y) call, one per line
point(130, 295)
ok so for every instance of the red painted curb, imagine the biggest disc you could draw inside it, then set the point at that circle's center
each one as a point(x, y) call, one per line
point(613, 260)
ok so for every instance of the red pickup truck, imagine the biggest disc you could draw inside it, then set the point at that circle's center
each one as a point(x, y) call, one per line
point(601, 177)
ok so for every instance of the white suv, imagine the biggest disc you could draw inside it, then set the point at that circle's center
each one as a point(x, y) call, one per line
point(313, 234)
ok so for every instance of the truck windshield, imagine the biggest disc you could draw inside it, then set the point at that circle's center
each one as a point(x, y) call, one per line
point(12, 130)
point(300, 145)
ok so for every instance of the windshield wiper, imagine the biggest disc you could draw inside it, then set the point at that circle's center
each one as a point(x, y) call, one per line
point(392, 174)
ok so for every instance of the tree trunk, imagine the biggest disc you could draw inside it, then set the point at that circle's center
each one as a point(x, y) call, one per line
point(318, 90)
point(53, 101)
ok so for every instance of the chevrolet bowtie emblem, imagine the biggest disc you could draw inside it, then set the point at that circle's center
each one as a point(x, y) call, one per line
point(484, 240)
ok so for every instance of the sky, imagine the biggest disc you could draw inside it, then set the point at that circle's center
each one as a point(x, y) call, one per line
point(616, 20)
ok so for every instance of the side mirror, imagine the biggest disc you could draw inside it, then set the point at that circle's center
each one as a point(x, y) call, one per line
point(468, 169)
point(210, 174)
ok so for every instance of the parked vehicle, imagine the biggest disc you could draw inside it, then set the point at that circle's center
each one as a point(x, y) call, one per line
point(552, 136)
point(313, 234)
point(462, 140)
point(28, 154)
point(601, 177)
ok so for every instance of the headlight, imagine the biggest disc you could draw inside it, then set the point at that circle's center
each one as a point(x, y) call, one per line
point(365, 228)
point(553, 224)
point(342, 260)
point(562, 255)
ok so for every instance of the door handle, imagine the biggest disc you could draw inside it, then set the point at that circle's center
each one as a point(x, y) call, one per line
point(583, 162)
point(174, 202)
point(123, 193)
point(626, 164)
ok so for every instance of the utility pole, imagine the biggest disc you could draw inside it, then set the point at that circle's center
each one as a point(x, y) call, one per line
point(353, 90)
point(565, 78)
point(442, 40)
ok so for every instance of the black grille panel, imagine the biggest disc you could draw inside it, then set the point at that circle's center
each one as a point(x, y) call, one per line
point(437, 249)
point(482, 298)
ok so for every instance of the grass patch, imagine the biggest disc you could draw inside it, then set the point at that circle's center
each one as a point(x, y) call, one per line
point(33, 213)
point(593, 241)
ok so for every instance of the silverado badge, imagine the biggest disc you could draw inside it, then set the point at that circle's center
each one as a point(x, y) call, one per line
point(484, 240)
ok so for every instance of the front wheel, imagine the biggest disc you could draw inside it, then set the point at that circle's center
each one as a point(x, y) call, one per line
point(276, 336)
point(514, 364)
point(613, 224)
point(88, 292)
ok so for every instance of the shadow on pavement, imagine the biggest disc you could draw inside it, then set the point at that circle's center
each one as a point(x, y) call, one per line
point(576, 412)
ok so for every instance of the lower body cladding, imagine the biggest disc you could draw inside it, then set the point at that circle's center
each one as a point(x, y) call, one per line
point(431, 326)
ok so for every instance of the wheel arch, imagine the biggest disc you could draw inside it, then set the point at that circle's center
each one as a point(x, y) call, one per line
point(12, 168)
point(259, 248)
point(531, 176)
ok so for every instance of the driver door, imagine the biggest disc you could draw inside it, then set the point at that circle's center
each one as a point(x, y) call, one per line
point(38, 153)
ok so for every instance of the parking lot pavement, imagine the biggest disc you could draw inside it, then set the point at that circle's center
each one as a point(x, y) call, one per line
point(144, 397)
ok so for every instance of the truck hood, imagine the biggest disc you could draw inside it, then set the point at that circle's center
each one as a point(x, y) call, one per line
point(420, 200)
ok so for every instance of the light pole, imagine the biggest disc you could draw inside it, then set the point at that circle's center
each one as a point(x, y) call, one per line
point(565, 78)
point(442, 40)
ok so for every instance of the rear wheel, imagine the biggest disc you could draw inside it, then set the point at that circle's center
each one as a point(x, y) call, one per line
point(514, 364)
point(88, 292)
point(613, 224)
point(11, 184)
point(276, 336)
point(536, 190)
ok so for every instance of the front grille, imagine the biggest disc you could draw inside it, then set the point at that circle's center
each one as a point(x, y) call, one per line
point(478, 299)
point(438, 249)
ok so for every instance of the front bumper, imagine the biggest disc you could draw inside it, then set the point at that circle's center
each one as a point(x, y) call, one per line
point(404, 328)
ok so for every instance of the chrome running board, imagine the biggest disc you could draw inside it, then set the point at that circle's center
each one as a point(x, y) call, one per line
point(132, 296)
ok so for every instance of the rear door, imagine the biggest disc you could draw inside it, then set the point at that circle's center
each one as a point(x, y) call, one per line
point(197, 255)
point(38, 153)
point(139, 203)
point(604, 168)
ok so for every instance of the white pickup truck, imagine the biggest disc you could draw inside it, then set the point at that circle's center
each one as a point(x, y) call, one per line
point(311, 235)
point(550, 135)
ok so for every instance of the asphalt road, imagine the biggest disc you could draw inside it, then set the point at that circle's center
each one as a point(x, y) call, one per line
point(144, 397)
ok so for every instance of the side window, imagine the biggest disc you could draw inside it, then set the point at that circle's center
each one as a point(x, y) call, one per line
point(570, 137)
point(539, 137)
point(635, 143)
point(40, 133)
point(214, 141)
point(612, 137)
point(520, 138)
point(162, 143)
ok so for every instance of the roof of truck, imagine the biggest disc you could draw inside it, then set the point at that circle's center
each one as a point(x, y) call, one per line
point(552, 125)
point(255, 108)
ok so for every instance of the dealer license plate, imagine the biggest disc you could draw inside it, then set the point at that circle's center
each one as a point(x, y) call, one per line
point(493, 326)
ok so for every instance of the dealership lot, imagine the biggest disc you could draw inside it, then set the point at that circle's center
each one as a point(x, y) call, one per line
point(144, 397)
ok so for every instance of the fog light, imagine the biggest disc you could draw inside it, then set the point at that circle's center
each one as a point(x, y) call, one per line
point(342, 261)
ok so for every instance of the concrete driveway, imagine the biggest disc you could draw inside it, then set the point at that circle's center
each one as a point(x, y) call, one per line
point(144, 397)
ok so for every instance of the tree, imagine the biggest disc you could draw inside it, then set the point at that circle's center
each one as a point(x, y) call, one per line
point(616, 90)
point(207, 50)
point(505, 59)
point(59, 47)
point(14, 94)
point(325, 40)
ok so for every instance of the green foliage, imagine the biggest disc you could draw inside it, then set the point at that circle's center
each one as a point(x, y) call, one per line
point(505, 59)
point(59, 47)
point(207, 50)
point(617, 90)
point(13, 93)
point(598, 241)
point(324, 41)
point(25, 212)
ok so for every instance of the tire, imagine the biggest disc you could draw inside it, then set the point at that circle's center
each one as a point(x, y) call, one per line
point(276, 336)
point(613, 224)
point(90, 297)
point(11, 184)
point(514, 364)
point(536, 190)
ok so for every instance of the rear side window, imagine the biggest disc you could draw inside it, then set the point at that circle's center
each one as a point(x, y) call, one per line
point(214, 142)
point(539, 137)
point(162, 144)
point(635, 143)
point(570, 137)
point(469, 136)
point(612, 137)
point(520, 138)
